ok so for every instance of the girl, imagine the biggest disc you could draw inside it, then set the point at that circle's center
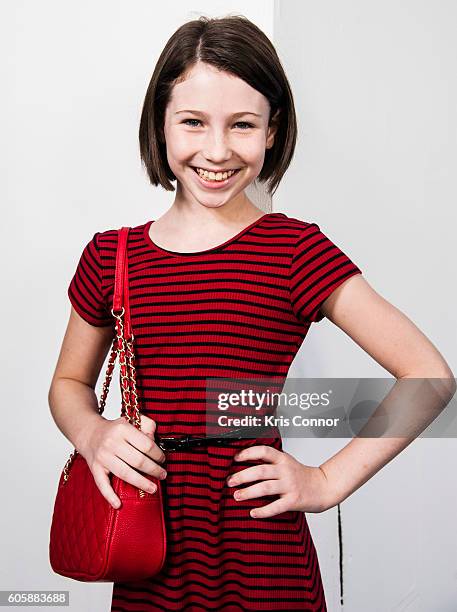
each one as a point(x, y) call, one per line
point(218, 288)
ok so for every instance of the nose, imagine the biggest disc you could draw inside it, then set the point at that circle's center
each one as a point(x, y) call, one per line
point(216, 147)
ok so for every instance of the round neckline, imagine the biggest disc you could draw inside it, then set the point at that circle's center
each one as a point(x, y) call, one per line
point(151, 243)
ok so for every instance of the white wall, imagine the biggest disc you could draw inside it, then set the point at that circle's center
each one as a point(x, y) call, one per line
point(375, 166)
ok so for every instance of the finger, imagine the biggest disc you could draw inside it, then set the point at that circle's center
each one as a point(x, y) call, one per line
point(138, 460)
point(262, 451)
point(261, 489)
point(144, 443)
point(265, 471)
point(119, 468)
point(277, 507)
point(148, 425)
point(101, 478)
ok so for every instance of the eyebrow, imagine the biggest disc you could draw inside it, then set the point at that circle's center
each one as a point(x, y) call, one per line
point(196, 112)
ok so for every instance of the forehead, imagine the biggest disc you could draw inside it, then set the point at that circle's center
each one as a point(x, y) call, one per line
point(215, 91)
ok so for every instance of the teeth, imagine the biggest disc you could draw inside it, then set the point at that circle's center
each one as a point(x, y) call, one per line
point(210, 176)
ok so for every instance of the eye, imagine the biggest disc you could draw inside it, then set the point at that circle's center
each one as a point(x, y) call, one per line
point(245, 123)
point(186, 120)
point(249, 125)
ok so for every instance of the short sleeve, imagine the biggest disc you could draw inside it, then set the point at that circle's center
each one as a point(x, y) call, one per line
point(85, 289)
point(317, 268)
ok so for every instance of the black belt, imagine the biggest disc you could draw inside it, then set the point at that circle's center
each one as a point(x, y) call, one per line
point(173, 443)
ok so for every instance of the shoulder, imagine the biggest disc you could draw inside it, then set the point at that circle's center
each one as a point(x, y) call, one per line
point(292, 228)
point(106, 240)
point(309, 234)
point(291, 223)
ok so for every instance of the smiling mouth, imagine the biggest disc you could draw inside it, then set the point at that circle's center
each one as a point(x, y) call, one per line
point(205, 175)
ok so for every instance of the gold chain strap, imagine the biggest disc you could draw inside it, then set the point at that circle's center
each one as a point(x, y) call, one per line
point(127, 375)
point(125, 380)
point(132, 373)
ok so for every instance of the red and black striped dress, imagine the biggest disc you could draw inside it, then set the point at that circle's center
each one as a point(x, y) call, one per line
point(242, 310)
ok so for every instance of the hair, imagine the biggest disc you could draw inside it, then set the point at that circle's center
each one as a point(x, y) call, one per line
point(237, 46)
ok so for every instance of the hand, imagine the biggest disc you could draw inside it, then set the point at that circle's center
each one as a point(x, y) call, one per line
point(299, 486)
point(117, 446)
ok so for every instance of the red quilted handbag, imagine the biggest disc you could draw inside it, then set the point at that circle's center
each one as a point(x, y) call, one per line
point(90, 540)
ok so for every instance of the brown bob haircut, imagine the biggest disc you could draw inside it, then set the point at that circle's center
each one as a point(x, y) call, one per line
point(233, 44)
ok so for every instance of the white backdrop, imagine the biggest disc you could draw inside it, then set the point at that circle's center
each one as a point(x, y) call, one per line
point(377, 142)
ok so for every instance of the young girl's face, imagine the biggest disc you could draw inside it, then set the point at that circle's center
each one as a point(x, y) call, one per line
point(215, 122)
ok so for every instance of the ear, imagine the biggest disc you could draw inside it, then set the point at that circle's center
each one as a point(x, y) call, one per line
point(272, 129)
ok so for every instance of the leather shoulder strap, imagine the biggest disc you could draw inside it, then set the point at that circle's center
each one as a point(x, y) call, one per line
point(121, 281)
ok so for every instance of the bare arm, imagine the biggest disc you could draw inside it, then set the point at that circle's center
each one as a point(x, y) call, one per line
point(395, 342)
point(71, 396)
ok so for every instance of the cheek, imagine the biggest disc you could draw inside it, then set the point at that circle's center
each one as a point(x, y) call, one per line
point(179, 144)
point(252, 151)
point(178, 147)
